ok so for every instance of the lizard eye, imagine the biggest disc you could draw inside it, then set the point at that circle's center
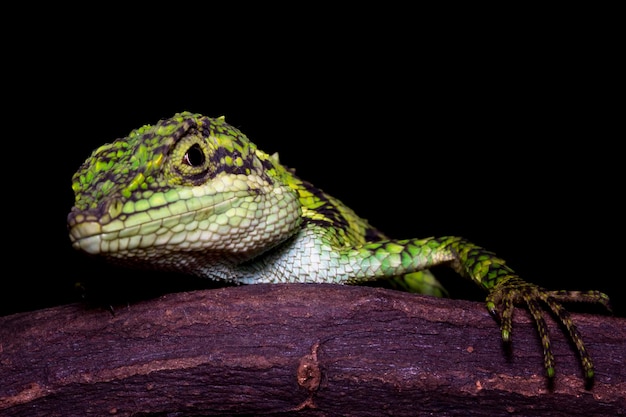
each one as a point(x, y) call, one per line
point(194, 157)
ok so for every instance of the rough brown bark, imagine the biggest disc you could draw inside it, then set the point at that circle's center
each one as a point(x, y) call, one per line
point(309, 350)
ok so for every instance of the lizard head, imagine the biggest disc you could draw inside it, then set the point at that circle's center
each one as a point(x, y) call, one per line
point(188, 183)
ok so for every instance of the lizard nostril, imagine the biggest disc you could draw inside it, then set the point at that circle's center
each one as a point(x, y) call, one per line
point(114, 209)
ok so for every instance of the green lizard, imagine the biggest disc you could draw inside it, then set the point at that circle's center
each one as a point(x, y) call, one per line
point(192, 194)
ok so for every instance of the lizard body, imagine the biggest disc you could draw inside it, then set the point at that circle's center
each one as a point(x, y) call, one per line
point(193, 194)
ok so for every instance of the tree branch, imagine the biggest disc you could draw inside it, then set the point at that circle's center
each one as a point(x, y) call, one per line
point(299, 349)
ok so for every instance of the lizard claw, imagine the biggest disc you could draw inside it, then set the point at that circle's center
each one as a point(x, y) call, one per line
point(513, 290)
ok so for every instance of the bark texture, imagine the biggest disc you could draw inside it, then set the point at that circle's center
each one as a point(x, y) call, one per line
point(300, 350)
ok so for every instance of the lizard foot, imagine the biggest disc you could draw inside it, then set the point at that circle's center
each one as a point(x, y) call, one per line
point(513, 290)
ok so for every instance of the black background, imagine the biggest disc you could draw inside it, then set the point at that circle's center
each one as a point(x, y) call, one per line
point(506, 131)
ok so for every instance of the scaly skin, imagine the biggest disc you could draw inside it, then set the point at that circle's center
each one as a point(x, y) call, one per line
point(192, 194)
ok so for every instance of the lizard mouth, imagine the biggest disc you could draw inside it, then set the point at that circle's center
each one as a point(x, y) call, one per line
point(143, 231)
point(90, 244)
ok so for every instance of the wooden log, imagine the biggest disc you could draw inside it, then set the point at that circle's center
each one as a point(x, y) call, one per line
point(300, 349)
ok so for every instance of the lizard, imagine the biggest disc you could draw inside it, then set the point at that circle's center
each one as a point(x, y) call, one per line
point(192, 194)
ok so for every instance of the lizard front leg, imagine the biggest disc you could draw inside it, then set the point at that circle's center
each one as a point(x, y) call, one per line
point(505, 288)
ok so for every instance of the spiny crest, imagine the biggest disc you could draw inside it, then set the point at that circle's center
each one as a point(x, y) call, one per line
point(135, 163)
